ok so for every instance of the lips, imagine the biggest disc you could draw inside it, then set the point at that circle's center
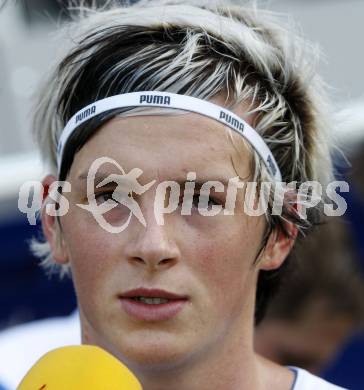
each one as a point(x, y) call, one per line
point(152, 293)
point(140, 305)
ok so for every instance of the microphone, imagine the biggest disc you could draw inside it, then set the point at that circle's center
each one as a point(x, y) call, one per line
point(79, 367)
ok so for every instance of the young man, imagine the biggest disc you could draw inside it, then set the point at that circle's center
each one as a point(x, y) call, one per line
point(150, 118)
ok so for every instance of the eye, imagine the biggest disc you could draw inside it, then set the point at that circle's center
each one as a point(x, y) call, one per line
point(103, 197)
point(204, 200)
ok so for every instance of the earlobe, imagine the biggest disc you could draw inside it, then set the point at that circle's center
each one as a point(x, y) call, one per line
point(278, 247)
point(51, 227)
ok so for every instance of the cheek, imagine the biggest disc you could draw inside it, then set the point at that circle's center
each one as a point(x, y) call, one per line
point(223, 260)
point(88, 248)
point(219, 263)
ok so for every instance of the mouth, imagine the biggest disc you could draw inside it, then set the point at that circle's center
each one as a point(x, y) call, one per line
point(151, 293)
point(152, 300)
point(152, 304)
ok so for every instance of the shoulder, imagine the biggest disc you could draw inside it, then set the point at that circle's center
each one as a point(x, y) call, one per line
point(22, 345)
point(306, 381)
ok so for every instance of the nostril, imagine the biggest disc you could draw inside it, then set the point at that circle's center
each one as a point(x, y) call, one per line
point(167, 262)
point(138, 260)
point(164, 261)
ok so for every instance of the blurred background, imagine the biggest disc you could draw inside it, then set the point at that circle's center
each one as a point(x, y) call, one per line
point(27, 294)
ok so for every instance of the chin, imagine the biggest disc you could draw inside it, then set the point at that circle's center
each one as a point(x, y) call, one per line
point(154, 353)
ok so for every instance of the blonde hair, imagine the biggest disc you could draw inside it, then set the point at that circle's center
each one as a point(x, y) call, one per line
point(200, 49)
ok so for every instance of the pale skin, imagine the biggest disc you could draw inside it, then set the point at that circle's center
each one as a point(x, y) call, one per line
point(209, 344)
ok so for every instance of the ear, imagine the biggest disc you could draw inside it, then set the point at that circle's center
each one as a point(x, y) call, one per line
point(51, 227)
point(278, 247)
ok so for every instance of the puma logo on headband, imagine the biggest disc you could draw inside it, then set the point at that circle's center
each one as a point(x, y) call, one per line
point(155, 99)
point(271, 165)
point(84, 114)
point(231, 121)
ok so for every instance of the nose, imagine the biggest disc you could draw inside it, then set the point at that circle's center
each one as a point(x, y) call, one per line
point(154, 245)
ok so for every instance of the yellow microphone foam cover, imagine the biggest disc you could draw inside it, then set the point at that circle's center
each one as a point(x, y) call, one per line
point(79, 367)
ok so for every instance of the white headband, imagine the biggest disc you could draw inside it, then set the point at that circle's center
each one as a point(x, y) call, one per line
point(172, 100)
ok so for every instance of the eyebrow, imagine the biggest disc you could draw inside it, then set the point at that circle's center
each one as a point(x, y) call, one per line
point(100, 176)
point(199, 183)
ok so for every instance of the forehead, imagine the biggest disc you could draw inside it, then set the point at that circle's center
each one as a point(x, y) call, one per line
point(168, 145)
